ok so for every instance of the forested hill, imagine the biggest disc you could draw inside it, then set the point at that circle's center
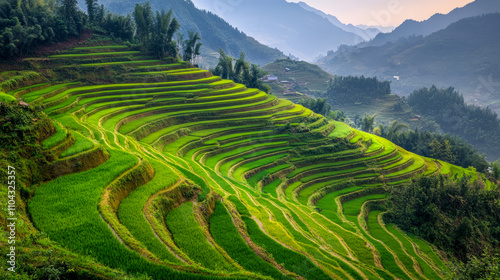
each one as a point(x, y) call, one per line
point(215, 32)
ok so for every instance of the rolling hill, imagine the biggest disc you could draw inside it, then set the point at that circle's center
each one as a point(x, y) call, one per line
point(157, 168)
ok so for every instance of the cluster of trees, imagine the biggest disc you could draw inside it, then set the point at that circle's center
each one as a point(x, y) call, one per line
point(27, 24)
point(458, 216)
point(318, 106)
point(240, 71)
point(478, 126)
point(352, 89)
point(114, 25)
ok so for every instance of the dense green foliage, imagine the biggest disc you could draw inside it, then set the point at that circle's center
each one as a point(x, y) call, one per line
point(215, 32)
point(240, 71)
point(478, 126)
point(156, 31)
point(319, 105)
point(17, 125)
point(457, 216)
point(483, 267)
point(25, 25)
point(345, 90)
point(445, 147)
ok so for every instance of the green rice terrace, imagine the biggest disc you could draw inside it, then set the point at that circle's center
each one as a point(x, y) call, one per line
point(165, 170)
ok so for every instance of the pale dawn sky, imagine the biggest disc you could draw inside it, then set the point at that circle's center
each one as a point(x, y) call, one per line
point(383, 12)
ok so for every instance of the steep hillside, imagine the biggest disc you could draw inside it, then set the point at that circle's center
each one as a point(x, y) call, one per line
point(158, 168)
point(304, 77)
point(215, 32)
point(436, 22)
point(286, 26)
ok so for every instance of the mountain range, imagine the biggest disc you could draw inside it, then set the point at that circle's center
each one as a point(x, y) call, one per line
point(365, 32)
point(436, 22)
point(463, 55)
point(286, 26)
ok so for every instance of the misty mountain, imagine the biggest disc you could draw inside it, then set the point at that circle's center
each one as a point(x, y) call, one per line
point(215, 32)
point(367, 32)
point(464, 55)
point(286, 26)
point(437, 21)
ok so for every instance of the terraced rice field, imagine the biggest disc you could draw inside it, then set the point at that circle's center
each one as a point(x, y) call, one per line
point(194, 177)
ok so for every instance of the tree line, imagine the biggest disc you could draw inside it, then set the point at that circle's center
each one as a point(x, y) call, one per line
point(352, 89)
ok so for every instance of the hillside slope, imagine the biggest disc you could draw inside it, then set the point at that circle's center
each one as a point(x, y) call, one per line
point(214, 31)
point(174, 173)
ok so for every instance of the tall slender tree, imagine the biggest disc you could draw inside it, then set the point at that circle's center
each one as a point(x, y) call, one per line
point(92, 9)
point(192, 46)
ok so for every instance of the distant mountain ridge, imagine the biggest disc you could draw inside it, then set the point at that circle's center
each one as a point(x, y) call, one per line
point(436, 22)
point(367, 32)
point(286, 26)
point(461, 55)
point(215, 32)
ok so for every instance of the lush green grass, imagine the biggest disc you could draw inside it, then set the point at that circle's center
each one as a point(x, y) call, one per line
point(289, 190)
point(100, 47)
point(261, 175)
point(239, 205)
point(56, 138)
point(328, 201)
point(292, 261)
point(189, 237)
point(119, 63)
point(175, 146)
point(38, 93)
point(379, 233)
point(93, 54)
point(82, 144)
point(285, 222)
point(342, 130)
point(330, 174)
point(228, 237)
point(131, 214)
point(69, 215)
point(353, 207)
point(7, 98)
point(426, 269)
point(260, 162)
point(224, 168)
point(26, 88)
point(238, 135)
point(271, 188)
point(419, 163)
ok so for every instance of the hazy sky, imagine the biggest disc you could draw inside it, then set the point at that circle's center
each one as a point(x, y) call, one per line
point(383, 12)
